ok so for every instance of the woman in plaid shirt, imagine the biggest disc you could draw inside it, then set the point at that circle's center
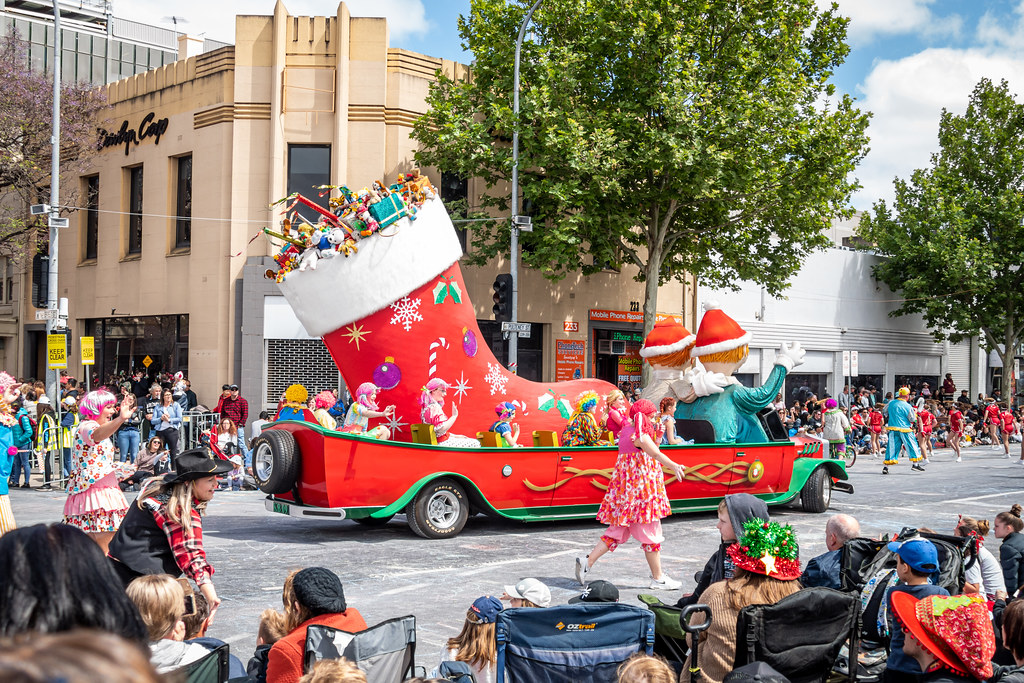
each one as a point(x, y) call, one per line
point(163, 530)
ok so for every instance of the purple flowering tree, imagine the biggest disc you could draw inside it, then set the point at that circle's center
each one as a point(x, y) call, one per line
point(26, 105)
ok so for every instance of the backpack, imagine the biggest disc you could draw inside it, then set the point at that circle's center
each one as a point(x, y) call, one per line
point(458, 672)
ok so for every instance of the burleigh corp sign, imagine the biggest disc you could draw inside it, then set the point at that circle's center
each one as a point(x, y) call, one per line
point(151, 127)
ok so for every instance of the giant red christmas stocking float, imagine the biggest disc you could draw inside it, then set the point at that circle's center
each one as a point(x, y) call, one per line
point(396, 313)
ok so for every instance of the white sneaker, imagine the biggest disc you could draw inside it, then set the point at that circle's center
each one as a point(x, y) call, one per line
point(666, 583)
point(959, 459)
point(1019, 462)
point(581, 569)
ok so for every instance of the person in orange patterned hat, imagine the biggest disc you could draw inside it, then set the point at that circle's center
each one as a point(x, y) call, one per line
point(951, 637)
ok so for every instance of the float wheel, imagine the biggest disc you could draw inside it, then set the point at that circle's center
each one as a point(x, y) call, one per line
point(275, 461)
point(816, 495)
point(439, 510)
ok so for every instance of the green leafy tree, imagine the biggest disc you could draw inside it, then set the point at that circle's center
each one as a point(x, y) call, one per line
point(954, 235)
point(679, 137)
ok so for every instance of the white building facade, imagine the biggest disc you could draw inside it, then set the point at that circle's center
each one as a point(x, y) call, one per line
point(834, 305)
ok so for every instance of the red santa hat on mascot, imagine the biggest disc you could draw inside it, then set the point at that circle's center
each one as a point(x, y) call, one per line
point(668, 336)
point(718, 332)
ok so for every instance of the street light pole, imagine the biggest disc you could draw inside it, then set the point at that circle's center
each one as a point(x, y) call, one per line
point(52, 381)
point(513, 337)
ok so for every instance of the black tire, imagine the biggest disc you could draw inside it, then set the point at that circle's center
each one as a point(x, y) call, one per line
point(439, 510)
point(373, 522)
point(816, 495)
point(275, 461)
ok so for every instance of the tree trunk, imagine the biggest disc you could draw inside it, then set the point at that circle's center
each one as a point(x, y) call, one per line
point(1008, 385)
point(652, 271)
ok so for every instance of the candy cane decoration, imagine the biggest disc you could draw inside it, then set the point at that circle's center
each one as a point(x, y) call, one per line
point(520, 407)
point(440, 342)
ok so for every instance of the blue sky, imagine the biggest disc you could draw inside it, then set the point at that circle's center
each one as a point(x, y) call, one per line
point(909, 58)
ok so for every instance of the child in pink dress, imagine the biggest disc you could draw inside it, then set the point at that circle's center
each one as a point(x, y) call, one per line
point(636, 499)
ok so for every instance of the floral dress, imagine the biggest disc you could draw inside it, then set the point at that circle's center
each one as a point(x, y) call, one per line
point(636, 493)
point(582, 430)
point(95, 503)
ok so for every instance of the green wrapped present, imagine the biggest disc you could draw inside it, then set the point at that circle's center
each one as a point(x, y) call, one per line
point(389, 210)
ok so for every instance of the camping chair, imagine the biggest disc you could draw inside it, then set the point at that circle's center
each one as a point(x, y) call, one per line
point(581, 642)
point(385, 652)
point(669, 636)
point(698, 431)
point(213, 668)
point(545, 439)
point(801, 635)
point(423, 434)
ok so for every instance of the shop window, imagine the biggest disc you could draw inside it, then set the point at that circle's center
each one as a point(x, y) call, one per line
point(183, 203)
point(135, 210)
point(801, 387)
point(308, 167)
point(917, 382)
point(92, 216)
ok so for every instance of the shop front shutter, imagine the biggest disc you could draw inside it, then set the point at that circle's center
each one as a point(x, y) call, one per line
point(960, 364)
point(299, 361)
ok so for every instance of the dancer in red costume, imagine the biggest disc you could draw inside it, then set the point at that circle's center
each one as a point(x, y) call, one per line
point(636, 500)
point(396, 312)
point(877, 422)
point(956, 431)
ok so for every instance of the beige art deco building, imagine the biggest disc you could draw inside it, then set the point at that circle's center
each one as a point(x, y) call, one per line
point(162, 263)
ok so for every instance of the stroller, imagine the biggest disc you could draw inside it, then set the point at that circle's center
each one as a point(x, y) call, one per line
point(868, 570)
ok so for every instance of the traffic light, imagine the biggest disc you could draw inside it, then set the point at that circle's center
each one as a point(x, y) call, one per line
point(502, 297)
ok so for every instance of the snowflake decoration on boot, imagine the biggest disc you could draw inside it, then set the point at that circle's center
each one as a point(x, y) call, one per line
point(407, 311)
point(495, 380)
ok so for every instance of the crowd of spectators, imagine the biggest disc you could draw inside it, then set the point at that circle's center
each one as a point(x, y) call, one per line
point(65, 608)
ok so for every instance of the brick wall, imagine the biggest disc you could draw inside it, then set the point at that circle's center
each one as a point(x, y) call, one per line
point(299, 361)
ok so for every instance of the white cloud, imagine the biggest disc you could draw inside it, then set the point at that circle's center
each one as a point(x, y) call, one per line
point(907, 96)
point(870, 19)
point(217, 19)
point(1001, 31)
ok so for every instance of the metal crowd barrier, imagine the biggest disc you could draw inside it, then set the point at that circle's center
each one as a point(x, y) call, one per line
point(194, 424)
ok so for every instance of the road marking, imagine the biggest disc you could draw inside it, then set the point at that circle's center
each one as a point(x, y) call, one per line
point(403, 589)
point(560, 553)
point(991, 495)
point(565, 541)
point(488, 567)
point(875, 507)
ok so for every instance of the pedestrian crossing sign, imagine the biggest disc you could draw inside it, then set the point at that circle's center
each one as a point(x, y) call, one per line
point(147, 361)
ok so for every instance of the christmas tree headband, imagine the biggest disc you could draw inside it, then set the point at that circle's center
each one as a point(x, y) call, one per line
point(767, 548)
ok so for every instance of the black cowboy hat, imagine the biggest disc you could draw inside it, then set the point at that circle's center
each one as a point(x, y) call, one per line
point(196, 464)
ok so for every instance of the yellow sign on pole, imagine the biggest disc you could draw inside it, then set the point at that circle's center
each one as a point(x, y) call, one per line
point(147, 361)
point(88, 350)
point(56, 351)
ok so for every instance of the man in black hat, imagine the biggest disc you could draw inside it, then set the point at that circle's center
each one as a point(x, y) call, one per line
point(319, 599)
point(163, 530)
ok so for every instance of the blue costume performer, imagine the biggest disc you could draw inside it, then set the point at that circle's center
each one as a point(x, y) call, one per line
point(902, 419)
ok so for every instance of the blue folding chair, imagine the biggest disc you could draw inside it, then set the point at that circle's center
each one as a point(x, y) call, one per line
point(582, 642)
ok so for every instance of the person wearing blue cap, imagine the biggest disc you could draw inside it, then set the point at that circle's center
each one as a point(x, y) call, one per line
point(475, 644)
point(917, 561)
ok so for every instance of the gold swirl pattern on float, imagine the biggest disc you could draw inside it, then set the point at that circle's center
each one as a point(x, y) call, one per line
point(693, 473)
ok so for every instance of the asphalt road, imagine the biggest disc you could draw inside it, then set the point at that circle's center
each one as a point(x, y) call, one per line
point(389, 572)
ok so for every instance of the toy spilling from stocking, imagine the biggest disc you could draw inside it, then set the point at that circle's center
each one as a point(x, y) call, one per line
point(377, 277)
point(352, 216)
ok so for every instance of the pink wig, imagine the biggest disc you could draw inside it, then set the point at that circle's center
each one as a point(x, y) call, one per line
point(830, 403)
point(431, 385)
point(94, 403)
point(325, 400)
point(364, 395)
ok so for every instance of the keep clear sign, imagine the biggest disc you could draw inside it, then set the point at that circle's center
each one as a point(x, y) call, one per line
point(56, 351)
point(88, 347)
